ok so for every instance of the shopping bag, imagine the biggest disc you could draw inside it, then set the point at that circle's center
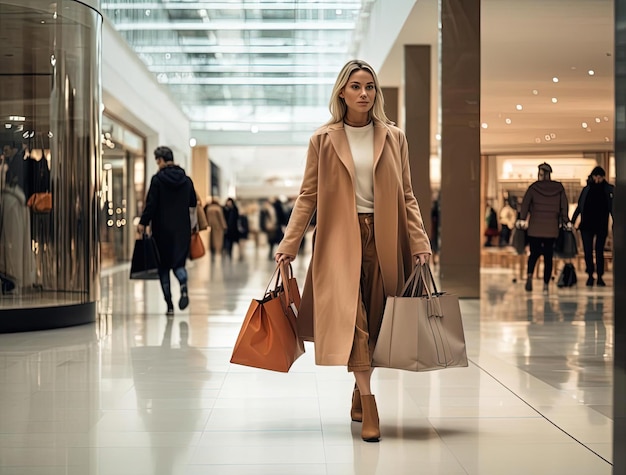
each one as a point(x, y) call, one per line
point(421, 332)
point(518, 241)
point(268, 338)
point(145, 261)
point(196, 246)
point(567, 277)
point(565, 244)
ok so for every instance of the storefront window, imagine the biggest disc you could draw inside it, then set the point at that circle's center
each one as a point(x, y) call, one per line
point(50, 153)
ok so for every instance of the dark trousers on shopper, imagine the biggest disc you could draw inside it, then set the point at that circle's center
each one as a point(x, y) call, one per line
point(589, 247)
point(541, 247)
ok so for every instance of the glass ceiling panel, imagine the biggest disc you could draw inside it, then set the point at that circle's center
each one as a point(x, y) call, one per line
point(237, 64)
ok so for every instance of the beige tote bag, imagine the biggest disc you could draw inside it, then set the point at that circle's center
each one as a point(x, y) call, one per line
point(421, 332)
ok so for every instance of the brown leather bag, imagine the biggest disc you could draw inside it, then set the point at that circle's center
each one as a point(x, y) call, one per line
point(269, 336)
point(196, 246)
point(40, 202)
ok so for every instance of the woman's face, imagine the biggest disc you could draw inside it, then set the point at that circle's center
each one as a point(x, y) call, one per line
point(359, 92)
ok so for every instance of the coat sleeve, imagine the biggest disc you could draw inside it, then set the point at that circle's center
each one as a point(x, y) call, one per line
point(564, 211)
point(305, 204)
point(420, 243)
point(579, 207)
point(152, 202)
point(526, 202)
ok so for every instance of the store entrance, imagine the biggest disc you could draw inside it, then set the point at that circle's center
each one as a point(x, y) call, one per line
point(114, 221)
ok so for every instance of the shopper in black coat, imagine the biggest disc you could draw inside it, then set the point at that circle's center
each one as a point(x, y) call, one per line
point(170, 196)
point(595, 204)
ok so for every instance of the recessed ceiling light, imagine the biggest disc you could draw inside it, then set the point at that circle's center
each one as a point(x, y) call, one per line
point(484, 125)
point(606, 139)
point(597, 120)
point(507, 120)
point(554, 100)
point(591, 72)
point(588, 129)
point(584, 125)
point(605, 118)
point(438, 136)
point(535, 92)
point(537, 140)
point(547, 137)
point(555, 79)
point(519, 107)
point(254, 129)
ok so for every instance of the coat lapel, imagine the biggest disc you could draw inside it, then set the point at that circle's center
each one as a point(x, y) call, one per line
point(342, 148)
point(380, 137)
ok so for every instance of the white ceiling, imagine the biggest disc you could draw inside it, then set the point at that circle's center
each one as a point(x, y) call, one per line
point(524, 45)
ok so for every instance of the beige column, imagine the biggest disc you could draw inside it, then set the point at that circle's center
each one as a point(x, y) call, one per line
point(417, 122)
point(200, 171)
point(460, 147)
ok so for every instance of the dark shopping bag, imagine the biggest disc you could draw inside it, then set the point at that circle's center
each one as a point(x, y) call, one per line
point(518, 240)
point(268, 338)
point(565, 244)
point(422, 329)
point(145, 262)
point(567, 277)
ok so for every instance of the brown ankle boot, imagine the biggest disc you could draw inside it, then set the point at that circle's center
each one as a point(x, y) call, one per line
point(370, 432)
point(356, 412)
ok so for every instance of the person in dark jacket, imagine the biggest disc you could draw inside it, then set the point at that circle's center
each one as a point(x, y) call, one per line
point(546, 202)
point(595, 204)
point(170, 196)
point(231, 234)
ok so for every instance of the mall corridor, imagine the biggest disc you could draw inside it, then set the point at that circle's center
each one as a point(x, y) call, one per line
point(140, 394)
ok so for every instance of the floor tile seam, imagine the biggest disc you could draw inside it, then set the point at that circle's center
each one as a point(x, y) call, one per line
point(543, 416)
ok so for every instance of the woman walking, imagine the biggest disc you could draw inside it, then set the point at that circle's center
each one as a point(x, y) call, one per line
point(357, 179)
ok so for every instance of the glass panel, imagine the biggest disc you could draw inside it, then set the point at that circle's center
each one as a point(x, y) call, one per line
point(265, 59)
point(49, 133)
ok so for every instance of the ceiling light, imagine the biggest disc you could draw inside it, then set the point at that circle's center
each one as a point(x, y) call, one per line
point(588, 129)
point(605, 118)
point(554, 100)
point(597, 120)
point(438, 136)
point(535, 92)
point(537, 140)
point(254, 129)
point(584, 125)
point(547, 137)
point(555, 79)
point(519, 107)
point(507, 120)
point(552, 135)
point(606, 139)
point(148, 12)
point(193, 142)
point(484, 125)
point(338, 11)
point(591, 72)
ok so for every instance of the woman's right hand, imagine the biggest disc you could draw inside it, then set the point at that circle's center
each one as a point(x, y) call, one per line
point(286, 258)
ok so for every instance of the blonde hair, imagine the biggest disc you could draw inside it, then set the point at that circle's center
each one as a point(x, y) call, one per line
point(337, 104)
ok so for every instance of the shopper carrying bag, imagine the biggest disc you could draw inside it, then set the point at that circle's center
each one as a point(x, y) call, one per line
point(422, 329)
point(269, 336)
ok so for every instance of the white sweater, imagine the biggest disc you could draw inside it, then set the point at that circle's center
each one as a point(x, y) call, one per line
point(361, 140)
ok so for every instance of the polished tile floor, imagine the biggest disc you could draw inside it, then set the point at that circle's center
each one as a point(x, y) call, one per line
point(139, 394)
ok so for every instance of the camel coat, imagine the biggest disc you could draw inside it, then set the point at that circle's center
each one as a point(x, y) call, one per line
point(334, 273)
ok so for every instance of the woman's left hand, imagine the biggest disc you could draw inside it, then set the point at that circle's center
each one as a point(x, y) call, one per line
point(422, 259)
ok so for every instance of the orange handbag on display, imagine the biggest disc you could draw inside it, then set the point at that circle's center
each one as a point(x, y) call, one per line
point(269, 335)
point(40, 202)
point(196, 247)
